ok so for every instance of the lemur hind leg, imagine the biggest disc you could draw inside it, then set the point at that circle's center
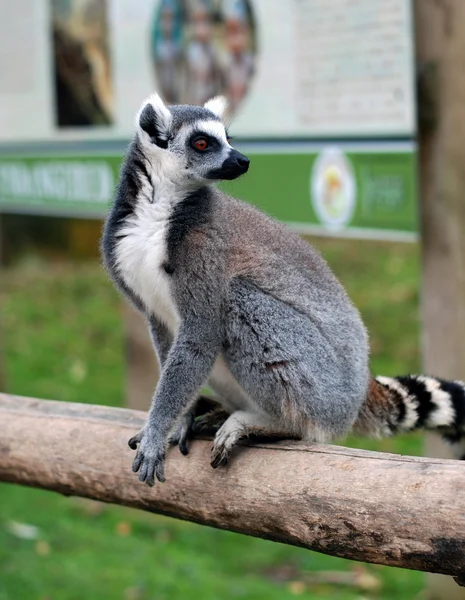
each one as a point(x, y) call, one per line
point(288, 367)
point(239, 425)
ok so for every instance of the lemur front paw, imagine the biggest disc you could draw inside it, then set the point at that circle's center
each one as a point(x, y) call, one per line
point(150, 457)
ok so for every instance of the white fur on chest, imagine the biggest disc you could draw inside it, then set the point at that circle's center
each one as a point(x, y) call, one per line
point(141, 253)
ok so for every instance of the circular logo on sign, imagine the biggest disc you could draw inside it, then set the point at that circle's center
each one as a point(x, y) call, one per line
point(333, 188)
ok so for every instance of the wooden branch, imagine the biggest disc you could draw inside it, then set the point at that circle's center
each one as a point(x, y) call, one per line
point(380, 508)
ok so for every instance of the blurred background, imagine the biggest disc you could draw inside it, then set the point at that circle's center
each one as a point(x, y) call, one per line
point(322, 98)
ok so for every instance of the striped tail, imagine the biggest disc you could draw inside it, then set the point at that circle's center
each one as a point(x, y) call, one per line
point(401, 404)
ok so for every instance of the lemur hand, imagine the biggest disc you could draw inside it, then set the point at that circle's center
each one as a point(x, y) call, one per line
point(150, 457)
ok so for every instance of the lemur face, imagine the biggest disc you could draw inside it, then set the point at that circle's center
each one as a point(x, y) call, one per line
point(192, 139)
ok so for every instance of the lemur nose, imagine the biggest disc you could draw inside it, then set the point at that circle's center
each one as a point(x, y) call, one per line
point(242, 161)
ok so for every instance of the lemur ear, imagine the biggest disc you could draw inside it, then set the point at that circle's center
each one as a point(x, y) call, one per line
point(154, 120)
point(217, 106)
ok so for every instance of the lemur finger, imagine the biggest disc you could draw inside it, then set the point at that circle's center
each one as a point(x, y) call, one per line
point(149, 473)
point(183, 444)
point(150, 481)
point(132, 442)
point(160, 471)
point(137, 461)
point(143, 471)
point(180, 438)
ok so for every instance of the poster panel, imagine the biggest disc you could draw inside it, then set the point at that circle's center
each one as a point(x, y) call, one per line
point(313, 86)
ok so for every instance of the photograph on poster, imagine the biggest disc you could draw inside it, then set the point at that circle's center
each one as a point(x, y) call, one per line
point(202, 48)
point(81, 63)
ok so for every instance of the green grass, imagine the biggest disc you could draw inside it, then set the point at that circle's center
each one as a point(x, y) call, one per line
point(63, 338)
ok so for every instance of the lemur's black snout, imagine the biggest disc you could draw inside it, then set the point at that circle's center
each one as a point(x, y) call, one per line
point(242, 161)
point(234, 166)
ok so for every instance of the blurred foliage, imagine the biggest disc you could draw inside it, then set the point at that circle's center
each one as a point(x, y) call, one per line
point(63, 340)
point(52, 238)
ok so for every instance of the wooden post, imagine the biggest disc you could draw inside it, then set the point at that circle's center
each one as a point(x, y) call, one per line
point(141, 364)
point(2, 368)
point(440, 35)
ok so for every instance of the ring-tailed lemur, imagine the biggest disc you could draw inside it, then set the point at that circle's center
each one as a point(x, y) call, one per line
point(236, 299)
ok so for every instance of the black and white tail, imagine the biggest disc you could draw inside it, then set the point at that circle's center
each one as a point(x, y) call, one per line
point(401, 404)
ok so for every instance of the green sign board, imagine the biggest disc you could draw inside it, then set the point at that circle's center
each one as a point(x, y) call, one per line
point(362, 190)
point(72, 184)
point(358, 191)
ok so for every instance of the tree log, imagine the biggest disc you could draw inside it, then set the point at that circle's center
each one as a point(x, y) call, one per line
point(381, 508)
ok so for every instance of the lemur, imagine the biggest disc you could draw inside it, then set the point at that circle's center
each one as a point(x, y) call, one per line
point(238, 300)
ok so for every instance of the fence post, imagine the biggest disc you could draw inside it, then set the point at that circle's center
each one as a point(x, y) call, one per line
point(2, 258)
point(440, 44)
point(141, 364)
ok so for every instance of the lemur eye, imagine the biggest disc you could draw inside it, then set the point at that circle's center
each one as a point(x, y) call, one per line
point(200, 144)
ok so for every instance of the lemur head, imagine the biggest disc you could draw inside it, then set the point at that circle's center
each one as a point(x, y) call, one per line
point(193, 139)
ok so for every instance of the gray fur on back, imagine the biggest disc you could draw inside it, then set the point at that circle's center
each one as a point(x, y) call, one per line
point(291, 335)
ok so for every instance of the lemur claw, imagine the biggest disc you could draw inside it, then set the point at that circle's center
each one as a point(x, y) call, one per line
point(220, 456)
